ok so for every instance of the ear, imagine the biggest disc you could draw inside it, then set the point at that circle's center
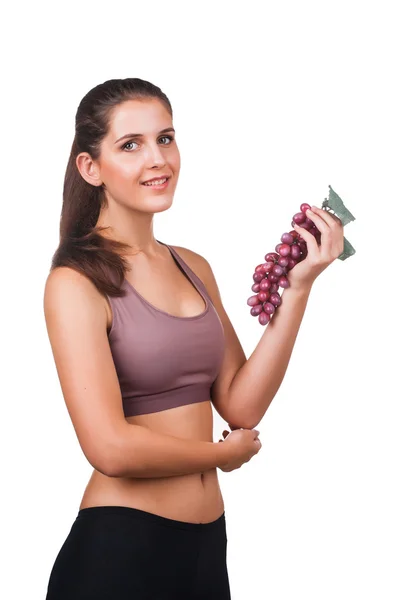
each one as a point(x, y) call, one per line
point(88, 169)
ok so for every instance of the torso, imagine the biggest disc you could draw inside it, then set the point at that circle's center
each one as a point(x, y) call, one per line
point(195, 497)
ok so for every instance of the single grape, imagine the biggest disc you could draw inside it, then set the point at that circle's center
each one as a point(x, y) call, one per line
point(259, 268)
point(274, 288)
point(277, 270)
point(286, 238)
point(295, 251)
point(273, 278)
point(291, 264)
point(268, 266)
point(263, 296)
point(284, 249)
point(256, 287)
point(275, 299)
point(277, 247)
point(305, 207)
point(283, 261)
point(265, 284)
point(263, 318)
point(256, 310)
point(257, 277)
point(284, 282)
point(273, 256)
point(268, 308)
point(253, 300)
point(299, 218)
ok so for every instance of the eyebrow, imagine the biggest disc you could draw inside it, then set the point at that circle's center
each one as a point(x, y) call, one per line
point(132, 135)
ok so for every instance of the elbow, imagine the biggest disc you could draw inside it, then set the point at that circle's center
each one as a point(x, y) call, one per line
point(108, 468)
point(106, 460)
point(242, 424)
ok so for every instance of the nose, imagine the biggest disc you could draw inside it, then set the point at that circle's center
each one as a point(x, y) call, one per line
point(155, 156)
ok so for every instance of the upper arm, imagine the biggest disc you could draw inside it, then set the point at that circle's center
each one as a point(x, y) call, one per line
point(234, 356)
point(76, 323)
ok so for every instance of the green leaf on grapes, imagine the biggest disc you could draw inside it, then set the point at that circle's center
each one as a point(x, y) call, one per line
point(336, 204)
point(348, 250)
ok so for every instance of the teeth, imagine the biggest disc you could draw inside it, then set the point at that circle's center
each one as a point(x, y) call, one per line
point(157, 182)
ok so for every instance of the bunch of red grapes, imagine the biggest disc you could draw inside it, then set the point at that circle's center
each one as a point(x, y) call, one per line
point(272, 275)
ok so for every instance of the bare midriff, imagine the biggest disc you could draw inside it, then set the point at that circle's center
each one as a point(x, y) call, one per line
point(194, 498)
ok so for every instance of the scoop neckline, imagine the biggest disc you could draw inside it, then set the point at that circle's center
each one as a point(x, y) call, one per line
point(178, 259)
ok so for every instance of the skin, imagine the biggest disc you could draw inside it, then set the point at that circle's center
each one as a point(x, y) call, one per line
point(121, 168)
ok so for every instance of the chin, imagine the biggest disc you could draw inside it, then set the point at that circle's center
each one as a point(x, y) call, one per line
point(159, 204)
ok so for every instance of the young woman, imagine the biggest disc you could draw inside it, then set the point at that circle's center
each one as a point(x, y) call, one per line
point(142, 347)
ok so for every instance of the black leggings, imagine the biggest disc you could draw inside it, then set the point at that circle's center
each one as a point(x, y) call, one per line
point(123, 553)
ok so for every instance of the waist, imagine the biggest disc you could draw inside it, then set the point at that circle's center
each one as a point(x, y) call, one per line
point(193, 498)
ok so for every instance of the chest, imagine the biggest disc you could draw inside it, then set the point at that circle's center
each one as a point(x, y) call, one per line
point(169, 289)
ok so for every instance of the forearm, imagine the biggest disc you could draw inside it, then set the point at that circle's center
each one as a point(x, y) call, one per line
point(258, 380)
point(142, 452)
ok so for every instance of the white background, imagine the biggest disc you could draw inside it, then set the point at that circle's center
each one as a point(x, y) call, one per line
point(273, 102)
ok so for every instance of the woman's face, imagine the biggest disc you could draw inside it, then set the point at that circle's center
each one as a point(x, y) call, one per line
point(127, 160)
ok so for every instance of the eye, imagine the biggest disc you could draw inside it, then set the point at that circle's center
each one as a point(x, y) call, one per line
point(164, 137)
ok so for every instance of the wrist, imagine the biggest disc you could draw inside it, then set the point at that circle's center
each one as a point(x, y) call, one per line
point(302, 289)
point(223, 453)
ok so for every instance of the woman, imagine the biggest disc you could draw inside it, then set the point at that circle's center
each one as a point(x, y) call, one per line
point(142, 346)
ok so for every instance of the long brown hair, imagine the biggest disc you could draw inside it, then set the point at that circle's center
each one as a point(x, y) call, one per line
point(81, 245)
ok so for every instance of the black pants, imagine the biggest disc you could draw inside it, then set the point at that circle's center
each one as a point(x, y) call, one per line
point(123, 553)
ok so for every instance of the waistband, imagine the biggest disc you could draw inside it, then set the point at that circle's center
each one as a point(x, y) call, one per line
point(136, 513)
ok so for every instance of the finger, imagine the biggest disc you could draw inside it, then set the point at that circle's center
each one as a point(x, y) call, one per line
point(320, 223)
point(312, 245)
point(329, 218)
point(335, 231)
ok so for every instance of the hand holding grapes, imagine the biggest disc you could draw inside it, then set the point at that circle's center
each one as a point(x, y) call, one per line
point(319, 256)
point(318, 235)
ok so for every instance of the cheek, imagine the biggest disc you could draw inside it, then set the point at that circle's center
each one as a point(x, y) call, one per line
point(123, 172)
point(175, 162)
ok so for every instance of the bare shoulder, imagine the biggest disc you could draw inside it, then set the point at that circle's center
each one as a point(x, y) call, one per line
point(67, 277)
point(66, 286)
point(196, 262)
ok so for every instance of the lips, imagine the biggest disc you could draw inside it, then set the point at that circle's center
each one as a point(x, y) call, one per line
point(157, 179)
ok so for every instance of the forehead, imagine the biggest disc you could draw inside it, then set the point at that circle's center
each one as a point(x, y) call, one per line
point(139, 116)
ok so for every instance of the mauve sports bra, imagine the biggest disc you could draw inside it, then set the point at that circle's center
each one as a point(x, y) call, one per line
point(164, 361)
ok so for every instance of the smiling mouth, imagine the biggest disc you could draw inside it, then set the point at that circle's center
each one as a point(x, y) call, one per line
point(164, 180)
